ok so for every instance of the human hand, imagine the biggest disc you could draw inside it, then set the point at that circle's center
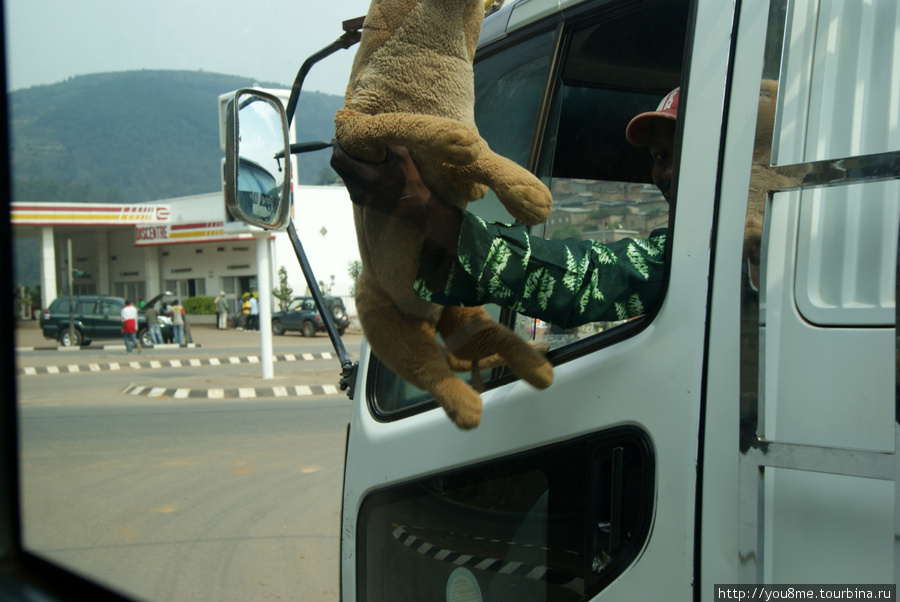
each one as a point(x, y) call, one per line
point(375, 185)
point(396, 187)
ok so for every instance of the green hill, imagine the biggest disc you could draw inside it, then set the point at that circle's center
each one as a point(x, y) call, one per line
point(132, 137)
point(137, 136)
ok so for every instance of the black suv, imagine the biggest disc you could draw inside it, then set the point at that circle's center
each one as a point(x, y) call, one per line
point(95, 317)
point(302, 315)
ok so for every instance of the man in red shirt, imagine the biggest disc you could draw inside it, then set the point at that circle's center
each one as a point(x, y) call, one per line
point(129, 327)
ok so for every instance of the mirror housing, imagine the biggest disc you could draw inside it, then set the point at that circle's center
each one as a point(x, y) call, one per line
point(257, 160)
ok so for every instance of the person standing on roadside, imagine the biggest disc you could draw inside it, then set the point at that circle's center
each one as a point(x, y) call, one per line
point(178, 321)
point(253, 324)
point(153, 324)
point(129, 316)
point(222, 310)
point(245, 312)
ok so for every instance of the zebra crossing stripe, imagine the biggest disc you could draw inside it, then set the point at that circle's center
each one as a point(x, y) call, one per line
point(171, 363)
point(235, 393)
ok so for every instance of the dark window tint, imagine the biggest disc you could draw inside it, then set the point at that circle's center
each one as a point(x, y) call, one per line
point(557, 523)
point(60, 306)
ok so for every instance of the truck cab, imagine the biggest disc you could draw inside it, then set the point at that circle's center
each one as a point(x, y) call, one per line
point(743, 431)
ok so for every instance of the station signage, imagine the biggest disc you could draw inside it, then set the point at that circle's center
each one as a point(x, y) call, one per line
point(150, 233)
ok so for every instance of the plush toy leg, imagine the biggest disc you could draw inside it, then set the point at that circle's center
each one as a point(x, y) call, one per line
point(471, 334)
point(407, 345)
point(366, 136)
point(524, 195)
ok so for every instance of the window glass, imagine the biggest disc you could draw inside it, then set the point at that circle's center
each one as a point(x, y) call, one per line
point(508, 92)
point(60, 306)
point(554, 524)
point(844, 102)
point(838, 242)
point(110, 307)
point(602, 186)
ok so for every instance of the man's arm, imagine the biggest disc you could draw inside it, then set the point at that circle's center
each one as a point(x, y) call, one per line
point(564, 282)
point(466, 261)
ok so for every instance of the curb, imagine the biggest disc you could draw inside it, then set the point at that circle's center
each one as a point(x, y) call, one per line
point(171, 363)
point(108, 347)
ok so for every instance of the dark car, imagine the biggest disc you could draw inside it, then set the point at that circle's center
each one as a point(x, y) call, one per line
point(94, 317)
point(302, 315)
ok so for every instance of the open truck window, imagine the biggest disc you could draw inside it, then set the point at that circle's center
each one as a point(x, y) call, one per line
point(557, 99)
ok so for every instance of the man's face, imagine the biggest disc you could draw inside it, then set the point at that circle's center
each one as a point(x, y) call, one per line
point(662, 149)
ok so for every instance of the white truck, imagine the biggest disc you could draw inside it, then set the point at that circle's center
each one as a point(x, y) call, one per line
point(743, 432)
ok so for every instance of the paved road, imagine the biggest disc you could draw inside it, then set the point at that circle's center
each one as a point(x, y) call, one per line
point(178, 498)
point(219, 364)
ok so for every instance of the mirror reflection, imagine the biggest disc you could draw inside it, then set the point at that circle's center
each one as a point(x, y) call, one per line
point(261, 171)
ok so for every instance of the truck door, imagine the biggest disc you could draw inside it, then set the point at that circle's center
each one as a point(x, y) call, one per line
point(805, 280)
point(588, 486)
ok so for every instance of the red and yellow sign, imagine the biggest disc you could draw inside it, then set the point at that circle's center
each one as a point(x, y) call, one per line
point(83, 214)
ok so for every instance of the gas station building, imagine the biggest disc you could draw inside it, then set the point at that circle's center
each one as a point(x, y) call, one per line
point(187, 246)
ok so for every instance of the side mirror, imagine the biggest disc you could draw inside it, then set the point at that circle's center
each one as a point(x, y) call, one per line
point(257, 160)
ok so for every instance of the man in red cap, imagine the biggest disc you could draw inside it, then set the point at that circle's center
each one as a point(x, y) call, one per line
point(656, 129)
point(467, 262)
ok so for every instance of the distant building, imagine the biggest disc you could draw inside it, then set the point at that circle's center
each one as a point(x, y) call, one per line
point(185, 245)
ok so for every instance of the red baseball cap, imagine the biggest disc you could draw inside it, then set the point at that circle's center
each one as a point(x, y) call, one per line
point(638, 130)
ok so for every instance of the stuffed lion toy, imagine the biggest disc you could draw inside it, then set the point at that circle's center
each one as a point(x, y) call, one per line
point(412, 85)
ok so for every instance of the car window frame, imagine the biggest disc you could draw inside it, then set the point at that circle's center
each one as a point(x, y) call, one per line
point(583, 18)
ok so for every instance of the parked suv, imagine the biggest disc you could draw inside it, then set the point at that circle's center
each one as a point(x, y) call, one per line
point(302, 315)
point(95, 317)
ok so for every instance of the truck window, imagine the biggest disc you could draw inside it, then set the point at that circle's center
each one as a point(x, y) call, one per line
point(558, 100)
point(602, 186)
point(556, 523)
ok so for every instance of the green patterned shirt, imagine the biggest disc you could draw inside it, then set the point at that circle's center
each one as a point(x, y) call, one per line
point(564, 282)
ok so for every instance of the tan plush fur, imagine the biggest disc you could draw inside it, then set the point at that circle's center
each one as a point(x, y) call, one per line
point(412, 85)
point(762, 178)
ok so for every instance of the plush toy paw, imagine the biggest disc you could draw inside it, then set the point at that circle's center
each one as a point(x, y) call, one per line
point(460, 401)
point(527, 203)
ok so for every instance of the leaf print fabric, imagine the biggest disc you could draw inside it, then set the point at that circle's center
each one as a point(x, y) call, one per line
point(566, 283)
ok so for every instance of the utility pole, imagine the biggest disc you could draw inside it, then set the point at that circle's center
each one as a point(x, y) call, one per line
point(69, 281)
point(264, 288)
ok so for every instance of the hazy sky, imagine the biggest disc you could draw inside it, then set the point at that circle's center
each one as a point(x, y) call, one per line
point(51, 40)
